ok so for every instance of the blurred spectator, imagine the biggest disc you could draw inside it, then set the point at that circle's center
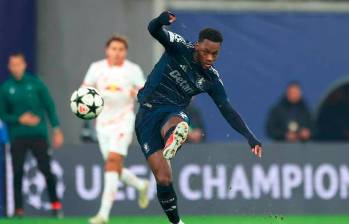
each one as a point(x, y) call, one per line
point(197, 129)
point(24, 104)
point(333, 116)
point(290, 119)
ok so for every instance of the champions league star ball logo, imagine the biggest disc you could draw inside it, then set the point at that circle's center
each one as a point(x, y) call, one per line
point(34, 184)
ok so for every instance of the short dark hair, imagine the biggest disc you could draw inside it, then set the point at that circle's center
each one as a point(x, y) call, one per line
point(117, 38)
point(211, 34)
point(17, 54)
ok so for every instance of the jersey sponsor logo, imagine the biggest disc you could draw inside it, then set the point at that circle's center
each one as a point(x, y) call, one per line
point(176, 38)
point(181, 81)
point(113, 88)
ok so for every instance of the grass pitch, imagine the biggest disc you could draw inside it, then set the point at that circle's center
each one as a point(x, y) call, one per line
point(194, 220)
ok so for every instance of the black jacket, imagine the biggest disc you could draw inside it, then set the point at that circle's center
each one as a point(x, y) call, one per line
point(283, 113)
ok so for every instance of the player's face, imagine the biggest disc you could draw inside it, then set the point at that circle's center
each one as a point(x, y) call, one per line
point(17, 66)
point(207, 52)
point(116, 53)
point(294, 93)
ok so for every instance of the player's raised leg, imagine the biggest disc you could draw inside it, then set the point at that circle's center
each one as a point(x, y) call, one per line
point(174, 133)
point(113, 168)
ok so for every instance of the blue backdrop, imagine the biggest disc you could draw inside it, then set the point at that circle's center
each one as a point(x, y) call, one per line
point(17, 31)
point(262, 52)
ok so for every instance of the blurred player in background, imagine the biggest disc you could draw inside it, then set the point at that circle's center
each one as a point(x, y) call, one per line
point(183, 71)
point(25, 102)
point(118, 81)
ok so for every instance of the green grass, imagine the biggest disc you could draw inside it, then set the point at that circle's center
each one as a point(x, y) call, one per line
point(194, 220)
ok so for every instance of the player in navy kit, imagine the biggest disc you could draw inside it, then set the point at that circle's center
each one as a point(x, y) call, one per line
point(184, 70)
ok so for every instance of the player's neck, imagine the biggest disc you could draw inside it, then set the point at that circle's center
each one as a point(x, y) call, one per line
point(115, 63)
point(195, 57)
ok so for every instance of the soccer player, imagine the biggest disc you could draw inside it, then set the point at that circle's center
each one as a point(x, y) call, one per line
point(25, 104)
point(184, 70)
point(118, 81)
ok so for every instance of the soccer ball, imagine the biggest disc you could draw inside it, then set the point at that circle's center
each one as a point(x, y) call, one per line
point(86, 103)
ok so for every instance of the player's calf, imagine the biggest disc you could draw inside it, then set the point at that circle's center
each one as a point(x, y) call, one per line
point(168, 201)
point(113, 168)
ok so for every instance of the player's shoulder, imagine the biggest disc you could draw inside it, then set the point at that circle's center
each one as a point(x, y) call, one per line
point(34, 79)
point(177, 38)
point(214, 74)
point(99, 64)
point(6, 84)
point(131, 64)
point(132, 67)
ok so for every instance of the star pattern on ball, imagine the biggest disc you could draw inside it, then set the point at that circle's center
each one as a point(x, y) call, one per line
point(78, 99)
point(93, 108)
point(92, 92)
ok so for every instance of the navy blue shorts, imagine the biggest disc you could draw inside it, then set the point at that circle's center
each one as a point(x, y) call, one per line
point(148, 126)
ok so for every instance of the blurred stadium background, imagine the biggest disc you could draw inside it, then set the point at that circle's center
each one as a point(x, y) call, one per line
point(267, 45)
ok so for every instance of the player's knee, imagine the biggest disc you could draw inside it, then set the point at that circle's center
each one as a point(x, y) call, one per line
point(112, 167)
point(163, 179)
point(171, 123)
point(114, 163)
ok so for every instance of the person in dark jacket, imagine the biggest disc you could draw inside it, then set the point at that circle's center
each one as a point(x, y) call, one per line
point(25, 105)
point(290, 119)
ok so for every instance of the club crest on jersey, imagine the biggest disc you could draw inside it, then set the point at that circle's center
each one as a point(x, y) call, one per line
point(184, 67)
point(200, 83)
point(12, 90)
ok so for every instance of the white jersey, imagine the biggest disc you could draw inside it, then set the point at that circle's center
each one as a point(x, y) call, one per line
point(116, 85)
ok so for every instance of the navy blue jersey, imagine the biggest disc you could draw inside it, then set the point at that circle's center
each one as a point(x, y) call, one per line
point(177, 77)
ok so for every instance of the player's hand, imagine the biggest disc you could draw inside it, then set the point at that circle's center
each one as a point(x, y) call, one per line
point(167, 18)
point(29, 119)
point(133, 92)
point(195, 135)
point(57, 138)
point(258, 151)
point(171, 17)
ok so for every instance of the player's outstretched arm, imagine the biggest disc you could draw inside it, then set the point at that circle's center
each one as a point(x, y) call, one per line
point(234, 119)
point(157, 30)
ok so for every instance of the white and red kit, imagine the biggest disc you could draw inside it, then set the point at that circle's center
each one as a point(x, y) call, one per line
point(117, 85)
